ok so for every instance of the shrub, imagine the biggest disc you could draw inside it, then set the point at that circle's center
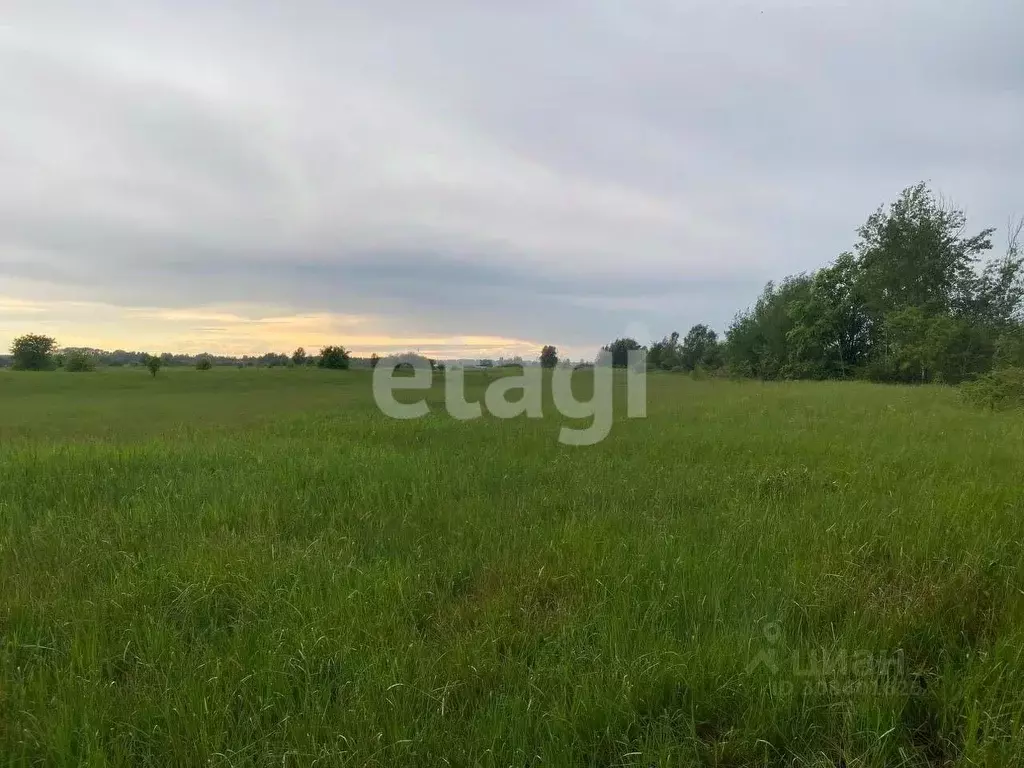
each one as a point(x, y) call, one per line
point(33, 352)
point(79, 362)
point(333, 357)
point(1001, 389)
point(204, 364)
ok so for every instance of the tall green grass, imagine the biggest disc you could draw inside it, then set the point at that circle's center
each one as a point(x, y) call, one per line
point(255, 567)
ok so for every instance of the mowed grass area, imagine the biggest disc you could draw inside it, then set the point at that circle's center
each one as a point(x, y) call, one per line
point(256, 567)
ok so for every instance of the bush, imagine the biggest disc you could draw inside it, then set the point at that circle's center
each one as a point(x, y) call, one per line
point(79, 362)
point(153, 363)
point(33, 352)
point(1000, 390)
point(204, 364)
point(333, 357)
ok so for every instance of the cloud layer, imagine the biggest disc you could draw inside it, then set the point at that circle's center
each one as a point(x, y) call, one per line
point(552, 171)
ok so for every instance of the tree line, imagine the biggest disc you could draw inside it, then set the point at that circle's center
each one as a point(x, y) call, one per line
point(38, 352)
point(915, 300)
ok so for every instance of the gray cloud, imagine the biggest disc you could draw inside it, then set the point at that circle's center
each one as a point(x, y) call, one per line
point(552, 170)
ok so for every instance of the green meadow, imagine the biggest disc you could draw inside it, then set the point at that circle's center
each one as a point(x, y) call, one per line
point(258, 568)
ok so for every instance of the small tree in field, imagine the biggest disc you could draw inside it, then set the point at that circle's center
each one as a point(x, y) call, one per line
point(153, 363)
point(204, 363)
point(374, 360)
point(548, 357)
point(78, 362)
point(299, 356)
point(33, 352)
point(334, 357)
point(620, 349)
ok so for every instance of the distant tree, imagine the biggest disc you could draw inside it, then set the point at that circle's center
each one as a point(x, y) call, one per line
point(204, 363)
point(620, 349)
point(374, 359)
point(700, 349)
point(273, 360)
point(299, 356)
point(154, 363)
point(549, 357)
point(78, 361)
point(334, 357)
point(665, 354)
point(33, 352)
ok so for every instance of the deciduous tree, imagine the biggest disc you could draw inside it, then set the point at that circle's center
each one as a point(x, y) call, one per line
point(33, 352)
point(335, 357)
point(548, 357)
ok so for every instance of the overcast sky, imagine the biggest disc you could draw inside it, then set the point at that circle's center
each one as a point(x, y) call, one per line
point(471, 177)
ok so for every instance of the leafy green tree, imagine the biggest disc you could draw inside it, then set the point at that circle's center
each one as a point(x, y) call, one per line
point(154, 363)
point(829, 336)
point(33, 352)
point(1009, 348)
point(374, 360)
point(700, 348)
point(299, 356)
point(204, 363)
point(548, 356)
point(913, 344)
point(665, 354)
point(757, 342)
point(78, 361)
point(913, 302)
point(996, 295)
point(915, 255)
point(334, 357)
point(620, 349)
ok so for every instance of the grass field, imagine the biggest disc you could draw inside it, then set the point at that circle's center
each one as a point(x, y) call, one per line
point(256, 567)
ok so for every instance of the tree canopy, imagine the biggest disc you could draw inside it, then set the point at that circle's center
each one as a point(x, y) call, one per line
point(548, 357)
point(335, 357)
point(912, 302)
point(34, 352)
